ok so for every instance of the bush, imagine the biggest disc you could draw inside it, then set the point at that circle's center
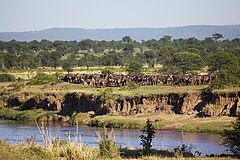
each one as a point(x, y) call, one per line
point(134, 68)
point(232, 138)
point(80, 118)
point(107, 71)
point(173, 70)
point(130, 86)
point(183, 151)
point(226, 78)
point(4, 77)
point(42, 78)
point(107, 147)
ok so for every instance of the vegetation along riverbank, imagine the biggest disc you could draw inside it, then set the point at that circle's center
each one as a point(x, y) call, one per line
point(170, 107)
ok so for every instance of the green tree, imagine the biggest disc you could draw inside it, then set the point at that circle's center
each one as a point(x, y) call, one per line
point(222, 60)
point(217, 36)
point(150, 58)
point(128, 48)
point(147, 137)
point(67, 66)
point(232, 138)
point(170, 69)
point(188, 61)
point(134, 68)
point(127, 39)
point(226, 67)
point(86, 44)
point(165, 40)
point(166, 55)
point(226, 78)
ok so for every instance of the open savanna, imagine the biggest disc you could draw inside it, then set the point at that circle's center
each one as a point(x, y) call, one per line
point(30, 73)
point(122, 91)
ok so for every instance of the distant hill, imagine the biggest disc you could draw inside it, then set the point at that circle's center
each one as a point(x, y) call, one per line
point(198, 31)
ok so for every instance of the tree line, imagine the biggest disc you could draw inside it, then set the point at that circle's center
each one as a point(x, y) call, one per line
point(177, 56)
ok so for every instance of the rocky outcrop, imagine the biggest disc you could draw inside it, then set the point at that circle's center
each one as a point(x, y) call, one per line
point(200, 104)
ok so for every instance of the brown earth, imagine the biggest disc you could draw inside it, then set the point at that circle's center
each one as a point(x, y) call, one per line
point(200, 104)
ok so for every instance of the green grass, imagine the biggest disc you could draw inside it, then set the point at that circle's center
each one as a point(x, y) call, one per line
point(30, 73)
point(121, 91)
point(142, 90)
point(22, 152)
point(28, 115)
point(162, 121)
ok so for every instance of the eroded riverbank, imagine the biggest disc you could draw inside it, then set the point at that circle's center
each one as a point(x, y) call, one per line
point(186, 108)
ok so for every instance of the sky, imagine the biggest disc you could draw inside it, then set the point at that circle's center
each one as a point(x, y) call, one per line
point(34, 15)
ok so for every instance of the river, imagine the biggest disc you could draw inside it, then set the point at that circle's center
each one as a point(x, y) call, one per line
point(14, 132)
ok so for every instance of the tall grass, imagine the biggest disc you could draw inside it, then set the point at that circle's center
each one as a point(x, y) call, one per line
point(107, 147)
point(69, 148)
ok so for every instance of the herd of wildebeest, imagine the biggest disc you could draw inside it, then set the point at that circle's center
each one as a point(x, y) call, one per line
point(114, 80)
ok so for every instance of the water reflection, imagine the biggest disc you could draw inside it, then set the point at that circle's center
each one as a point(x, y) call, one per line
point(13, 132)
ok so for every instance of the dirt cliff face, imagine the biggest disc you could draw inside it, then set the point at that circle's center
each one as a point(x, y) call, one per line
point(200, 104)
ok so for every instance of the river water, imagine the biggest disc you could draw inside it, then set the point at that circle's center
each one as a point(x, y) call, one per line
point(14, 132)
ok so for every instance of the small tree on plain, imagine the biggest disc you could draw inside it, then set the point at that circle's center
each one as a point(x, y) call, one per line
point(147, 137)
point(67, 66)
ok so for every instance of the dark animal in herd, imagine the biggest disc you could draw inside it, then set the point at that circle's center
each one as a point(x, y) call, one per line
point(113, 80)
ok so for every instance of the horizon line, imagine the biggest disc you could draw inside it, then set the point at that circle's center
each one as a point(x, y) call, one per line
point(108, 28)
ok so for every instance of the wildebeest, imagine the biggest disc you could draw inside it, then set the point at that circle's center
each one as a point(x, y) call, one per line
point(118, 80)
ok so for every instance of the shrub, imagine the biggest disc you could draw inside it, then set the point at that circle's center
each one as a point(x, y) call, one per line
point(107, 147)
point(4, 77)
point(183, 151)
point(134, 68)
point(188, 61)
point(132, 85)
point(80, 118)
point(226, 78)
point(107, 71)
point(232, 138)
point(42, 78)
point(147, 137)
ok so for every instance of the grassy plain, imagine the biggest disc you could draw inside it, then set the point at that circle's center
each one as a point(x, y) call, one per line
point(29, 73)
point(27, 115)
point(142, 90)
point(163, 121)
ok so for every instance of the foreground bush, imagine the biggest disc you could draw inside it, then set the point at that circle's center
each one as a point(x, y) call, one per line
point(232, 138)
point(42, 78)
point(107, 147)
point(22, 152)
point(6, 77)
